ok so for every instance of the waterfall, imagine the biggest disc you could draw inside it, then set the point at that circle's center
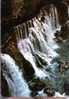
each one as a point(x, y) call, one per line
point(25, 47)
point(53, 26)
point(17, 84)
point(54, 18)
point(40, 43)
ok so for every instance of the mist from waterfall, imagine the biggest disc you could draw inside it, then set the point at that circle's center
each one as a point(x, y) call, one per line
point(15, 80)
point(37, 41)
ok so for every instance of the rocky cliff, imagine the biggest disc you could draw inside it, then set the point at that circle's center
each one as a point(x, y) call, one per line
point(16, 11)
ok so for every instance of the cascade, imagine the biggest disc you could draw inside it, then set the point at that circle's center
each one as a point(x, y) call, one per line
point(17, 84)
point(37, 45)
point(40, 40)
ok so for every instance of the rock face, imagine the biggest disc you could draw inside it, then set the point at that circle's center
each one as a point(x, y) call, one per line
point(16, 11)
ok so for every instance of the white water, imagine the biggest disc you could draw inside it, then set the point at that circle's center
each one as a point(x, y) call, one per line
point(57, 94)
point(17, 86)
point(40, 41)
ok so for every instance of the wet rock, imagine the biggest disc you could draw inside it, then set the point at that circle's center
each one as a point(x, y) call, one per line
point(40, 62)
point(66, 65)
point(65, 31)
point(66, 88)
point(28, 70)
point(37, 85)
point(50, 92)
point(65, 27)
point(63, 35)
point(42, 18)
